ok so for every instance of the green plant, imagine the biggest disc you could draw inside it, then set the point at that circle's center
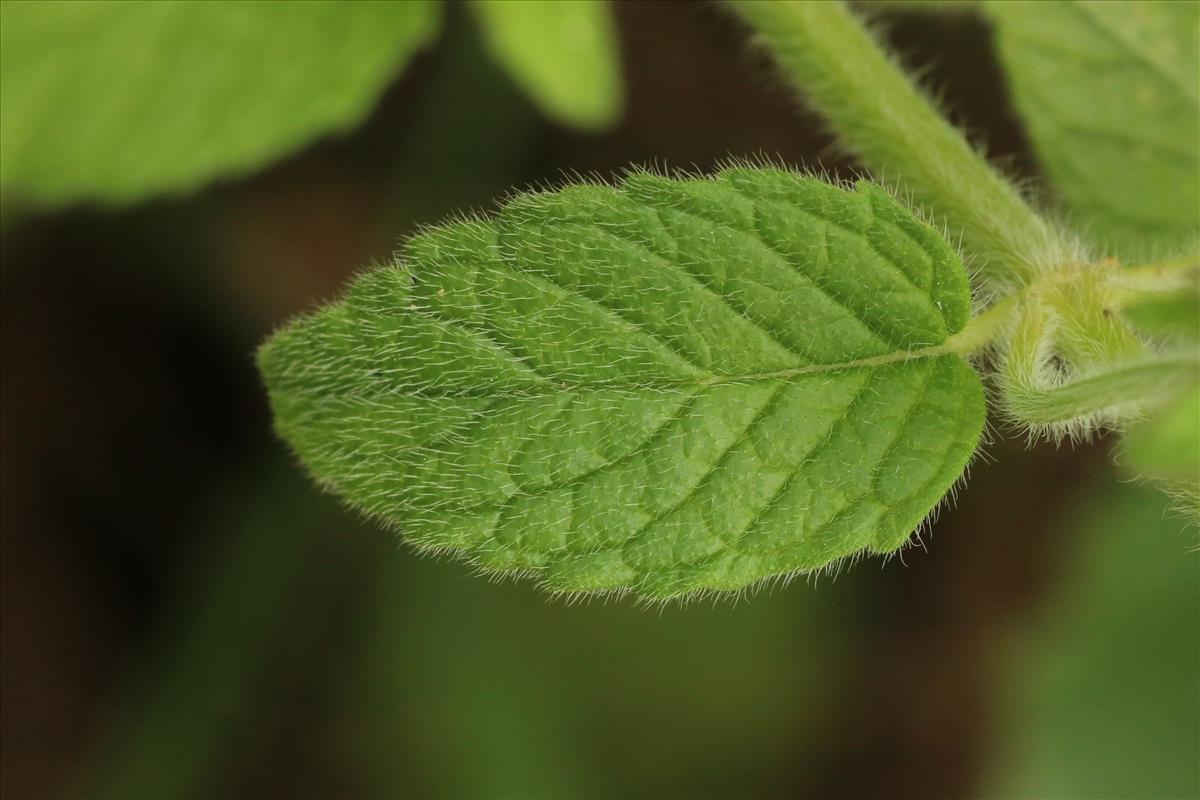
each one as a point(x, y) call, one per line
point(681, 384)
point(686, 384)
point(111, 103)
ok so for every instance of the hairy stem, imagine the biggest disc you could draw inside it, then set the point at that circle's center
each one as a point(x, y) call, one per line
point(1163, 277)
point(884, 119)
point(1114, 394)
point(1041, 394)
point(984, 329)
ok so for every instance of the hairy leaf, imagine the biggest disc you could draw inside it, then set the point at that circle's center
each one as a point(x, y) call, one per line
point(1109, 92)
point(111, 102)
point(674, 386)
point(563, 54)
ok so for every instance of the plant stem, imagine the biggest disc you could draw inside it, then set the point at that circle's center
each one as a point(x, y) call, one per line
point(1073, 401)
point(984, 330)
point(1162, 277)
point(1114, 395)
point(881, 116)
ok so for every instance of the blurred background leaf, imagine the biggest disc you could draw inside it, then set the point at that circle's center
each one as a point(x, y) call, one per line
point(111, 102)
point(563, 54)
point(1101, 696)
point(1172, 317)
point(1109, 92)
point(1165, 448)
point(1169, 444)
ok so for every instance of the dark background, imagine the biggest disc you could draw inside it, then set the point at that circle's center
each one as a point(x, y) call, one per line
point(184, 614)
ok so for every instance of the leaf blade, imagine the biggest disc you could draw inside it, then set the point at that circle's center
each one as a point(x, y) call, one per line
point(1109, 94)
point(576, 391)
point(112, 102)
point(564, 55)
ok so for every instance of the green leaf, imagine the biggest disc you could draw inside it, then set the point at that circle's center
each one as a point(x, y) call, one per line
point(1099, 698)
point(1109, 94)
point(1168, 444)
point(1171, 317)
point(672, 386)
point(1165, 450)
point(112, 102)
point(564, 55)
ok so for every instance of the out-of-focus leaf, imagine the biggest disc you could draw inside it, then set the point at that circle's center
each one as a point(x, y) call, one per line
point(1171, 317)
point(563, 54)
point(113, 101)
point(1109, 93)
point(1102, 700)
point(674, 386)
point(1166, 448)
point(1169, 443)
